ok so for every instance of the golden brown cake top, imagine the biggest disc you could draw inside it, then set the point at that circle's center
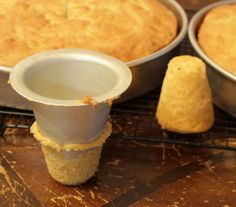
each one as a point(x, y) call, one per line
point(126, 29)
point(217, 36)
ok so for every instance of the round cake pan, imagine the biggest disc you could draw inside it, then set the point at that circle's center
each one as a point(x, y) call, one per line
point(147, 72)
point(223, 83)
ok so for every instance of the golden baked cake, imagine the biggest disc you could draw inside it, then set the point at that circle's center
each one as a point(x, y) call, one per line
point(217, 36)
point(185, 104)
point(72, 171)
point(125, 29)
point(71, 164)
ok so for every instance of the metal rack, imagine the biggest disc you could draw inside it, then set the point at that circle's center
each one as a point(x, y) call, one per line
point(14, 118)
point(135, 120)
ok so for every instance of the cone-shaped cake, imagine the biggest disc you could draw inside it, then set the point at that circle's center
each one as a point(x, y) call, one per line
point(71, 164)
point(185, 104)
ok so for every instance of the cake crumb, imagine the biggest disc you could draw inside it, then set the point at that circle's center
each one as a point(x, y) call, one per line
point(90, 101)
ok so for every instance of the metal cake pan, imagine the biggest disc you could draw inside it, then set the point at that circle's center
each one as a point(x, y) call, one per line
point(223, 83)
point(148, 72)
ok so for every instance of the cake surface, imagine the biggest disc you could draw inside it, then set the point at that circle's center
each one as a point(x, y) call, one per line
point(127, 30)
point(71, 164)
point(72, 168)
point(185, 104)
point(217, 36)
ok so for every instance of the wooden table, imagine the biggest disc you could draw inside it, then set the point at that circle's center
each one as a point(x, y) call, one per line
point(130, 173)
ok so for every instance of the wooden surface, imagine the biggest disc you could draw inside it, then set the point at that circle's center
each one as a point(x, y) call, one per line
point(131, 173)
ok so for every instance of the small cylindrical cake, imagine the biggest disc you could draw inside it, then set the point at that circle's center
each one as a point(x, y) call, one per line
point(185, 104)
point(71, 164)
point(72, 167)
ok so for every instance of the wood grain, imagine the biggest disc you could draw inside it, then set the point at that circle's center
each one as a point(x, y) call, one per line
point(130, 173)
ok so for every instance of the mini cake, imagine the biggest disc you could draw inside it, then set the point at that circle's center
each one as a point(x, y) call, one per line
point(127, 30)
point(72, 167)
point(217, 37)
point(71, 164)
point(185, 104)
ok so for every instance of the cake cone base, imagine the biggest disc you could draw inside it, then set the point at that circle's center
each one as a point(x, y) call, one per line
point(71, 164)
point(73, 167)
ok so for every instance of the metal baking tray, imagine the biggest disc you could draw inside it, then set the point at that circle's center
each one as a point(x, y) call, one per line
point(148, 72)
point(223, 83)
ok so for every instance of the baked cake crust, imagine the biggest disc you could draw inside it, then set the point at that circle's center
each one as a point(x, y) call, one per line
point(125, 29)
point(185, 104)
point(217, 36)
